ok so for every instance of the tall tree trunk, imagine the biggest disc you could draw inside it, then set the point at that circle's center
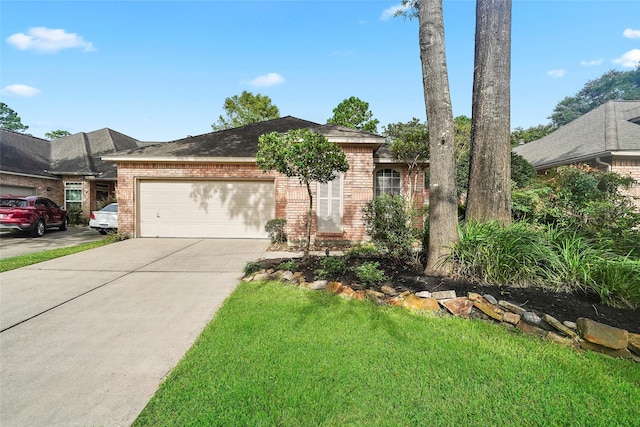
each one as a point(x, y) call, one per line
point(489, 194)
point(443, 211)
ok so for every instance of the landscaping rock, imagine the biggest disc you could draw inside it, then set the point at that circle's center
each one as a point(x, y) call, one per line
point(601, 334)
point(372, 293)
point(439, 295)
point(415, 303)
point(559, 326)
point(318, 285)
point(570, 325)
point(423, 294)
point(531, 330)
point(287, 275)
point(587, 345)
point(347, 293)
point(510, 317)
point(261, 276)
point(388, 290)
point(512, 307)
point(559, 339)
point(535, 320)
point(458, 306)
point(489, 309)
point(334, 287)
point(490, 298)
point(634, 343)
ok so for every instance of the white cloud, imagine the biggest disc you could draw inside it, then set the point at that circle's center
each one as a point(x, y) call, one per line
point(556, 74)
point(628, 59)
point(592, 63)
point(270, 79)
point(20, 90)
point(631, 34)
point(391, 12)
point(43, 39)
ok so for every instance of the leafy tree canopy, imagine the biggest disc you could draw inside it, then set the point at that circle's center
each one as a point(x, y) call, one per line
point(10, 120)
point(408, 141)
point(54, 134)
point(612, 85)
point(244, 110)
point(303, 154)
point(530, 134)
point(354, 113)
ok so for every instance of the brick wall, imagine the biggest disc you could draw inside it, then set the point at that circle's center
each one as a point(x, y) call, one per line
point(50, 188)
point(629, 167)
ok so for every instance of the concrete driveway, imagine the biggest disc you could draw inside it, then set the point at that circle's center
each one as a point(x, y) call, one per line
point(15, 243)
point(87, 339)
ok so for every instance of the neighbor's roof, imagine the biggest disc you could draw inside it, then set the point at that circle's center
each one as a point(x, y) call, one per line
point(241, 143)
point(612, 128)
point(77, 154)
point(24, 154)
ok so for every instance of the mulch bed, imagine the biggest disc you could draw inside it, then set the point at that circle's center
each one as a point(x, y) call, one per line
point(561, 305)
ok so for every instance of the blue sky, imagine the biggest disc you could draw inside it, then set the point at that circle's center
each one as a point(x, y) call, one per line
point(161, 70)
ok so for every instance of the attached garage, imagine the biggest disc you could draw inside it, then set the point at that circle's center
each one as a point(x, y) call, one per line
point(205, 208)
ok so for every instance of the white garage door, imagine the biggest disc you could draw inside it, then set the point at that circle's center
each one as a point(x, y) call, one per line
point(229, 209)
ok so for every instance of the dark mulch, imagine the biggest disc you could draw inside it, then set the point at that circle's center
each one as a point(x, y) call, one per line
point(561, 305)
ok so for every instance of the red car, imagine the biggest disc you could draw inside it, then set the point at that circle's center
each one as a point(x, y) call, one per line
point(31, 214)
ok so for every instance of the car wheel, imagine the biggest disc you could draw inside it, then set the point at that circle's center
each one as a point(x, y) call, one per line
point(65, 224)
point(38, 230)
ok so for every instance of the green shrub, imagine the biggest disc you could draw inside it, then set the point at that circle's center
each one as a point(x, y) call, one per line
point(390, 224)
point(75, 216)
point(290, 265)
point(275, 229)
point(363, 250)
point(616, 282)
point(331, 267)
point(369, 274)
point(251, 267)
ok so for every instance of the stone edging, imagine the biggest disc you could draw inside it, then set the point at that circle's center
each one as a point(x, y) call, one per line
point(584, 334)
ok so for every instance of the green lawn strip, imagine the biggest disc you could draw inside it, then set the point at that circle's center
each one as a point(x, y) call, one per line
point(279, 355)
point(29, 259)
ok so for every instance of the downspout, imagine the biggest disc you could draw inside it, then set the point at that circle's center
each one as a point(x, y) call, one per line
point(601, 163)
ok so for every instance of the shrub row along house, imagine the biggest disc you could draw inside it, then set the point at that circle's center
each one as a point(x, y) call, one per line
point(607, 137)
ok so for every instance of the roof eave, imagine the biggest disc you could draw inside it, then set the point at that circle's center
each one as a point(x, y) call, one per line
point(175, 159)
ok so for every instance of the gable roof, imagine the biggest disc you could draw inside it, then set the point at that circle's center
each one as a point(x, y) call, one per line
point(24, 154)
point(241, 143)
point(611, 128)
point(77, 154)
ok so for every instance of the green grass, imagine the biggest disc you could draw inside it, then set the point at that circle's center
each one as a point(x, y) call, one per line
point(279, 355)
point(29, 259)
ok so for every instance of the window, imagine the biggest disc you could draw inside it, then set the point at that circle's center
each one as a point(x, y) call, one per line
point(72, 195)
point(387, 182)
point(330, 206)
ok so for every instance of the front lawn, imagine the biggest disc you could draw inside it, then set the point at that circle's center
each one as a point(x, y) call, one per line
point(279, 355)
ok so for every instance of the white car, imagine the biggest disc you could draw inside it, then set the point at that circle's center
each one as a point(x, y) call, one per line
point(105, 220)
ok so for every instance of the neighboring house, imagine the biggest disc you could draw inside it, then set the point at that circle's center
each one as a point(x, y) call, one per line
point(607, 137)
point(210, 186)
point(67, 170)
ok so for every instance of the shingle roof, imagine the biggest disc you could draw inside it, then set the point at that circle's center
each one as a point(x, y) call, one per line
point(77, 154)
point(24, 154)
point(242, 142)
point(614, 126)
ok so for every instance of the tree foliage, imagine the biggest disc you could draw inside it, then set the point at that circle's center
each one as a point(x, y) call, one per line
point(57, 134)
point(409, 142)
point(612, 85)
point(10, 120)
point(244, 110)
point(354, 113)
point(532, 133)
point(303, 154)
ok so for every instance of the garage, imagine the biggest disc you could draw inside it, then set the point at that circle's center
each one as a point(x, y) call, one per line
point(205, 209)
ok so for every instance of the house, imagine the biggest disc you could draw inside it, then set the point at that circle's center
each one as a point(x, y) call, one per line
point(210, 186)
point(67, 170)
point(607, 137)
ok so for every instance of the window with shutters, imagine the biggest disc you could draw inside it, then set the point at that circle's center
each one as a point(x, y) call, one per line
point(330, 206)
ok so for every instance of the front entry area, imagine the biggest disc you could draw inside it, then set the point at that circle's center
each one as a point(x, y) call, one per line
point(205, 208)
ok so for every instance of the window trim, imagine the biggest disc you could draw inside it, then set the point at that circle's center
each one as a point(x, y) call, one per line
point(72, 186)
point(330, 196)
point(376, 190)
